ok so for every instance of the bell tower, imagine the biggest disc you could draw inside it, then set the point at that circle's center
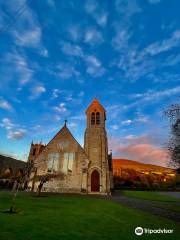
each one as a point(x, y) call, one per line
point(35, 149)
point(96, 148)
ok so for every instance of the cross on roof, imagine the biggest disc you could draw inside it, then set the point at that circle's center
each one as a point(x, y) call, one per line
point(65, 122)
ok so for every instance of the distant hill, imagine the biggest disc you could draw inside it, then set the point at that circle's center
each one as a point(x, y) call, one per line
point(9, 162)
point(130, 164)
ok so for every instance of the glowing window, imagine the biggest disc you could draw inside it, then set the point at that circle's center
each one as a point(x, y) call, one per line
point(93, 118)
point(97, 118)
point(68, 162)
point(53, 162)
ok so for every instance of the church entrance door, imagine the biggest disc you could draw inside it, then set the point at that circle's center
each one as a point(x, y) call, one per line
point(95, 181)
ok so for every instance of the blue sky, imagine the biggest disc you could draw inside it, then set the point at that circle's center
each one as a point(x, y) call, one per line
point(56, 56)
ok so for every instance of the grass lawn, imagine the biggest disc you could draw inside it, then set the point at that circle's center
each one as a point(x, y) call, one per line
point(76, 217)
point(153, 196)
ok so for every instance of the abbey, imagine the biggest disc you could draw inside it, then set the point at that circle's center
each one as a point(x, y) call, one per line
point(68, 167)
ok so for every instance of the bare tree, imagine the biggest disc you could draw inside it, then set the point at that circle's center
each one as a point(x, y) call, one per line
point(173, 113)
point(20, 182)
point(47, 177)
point(43, 179)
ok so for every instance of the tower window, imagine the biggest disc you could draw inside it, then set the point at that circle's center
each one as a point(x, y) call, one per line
point(34, 152)
point(93, 118)
point(97, 118)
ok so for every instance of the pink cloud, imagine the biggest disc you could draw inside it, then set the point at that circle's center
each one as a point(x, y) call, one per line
point(142, 152)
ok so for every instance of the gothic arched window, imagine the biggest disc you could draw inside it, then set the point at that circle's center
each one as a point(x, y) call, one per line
point(93, 118)
point(97, 118)
point(34, 152)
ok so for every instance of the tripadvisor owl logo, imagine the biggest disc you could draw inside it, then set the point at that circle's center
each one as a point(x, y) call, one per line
point(139, 231)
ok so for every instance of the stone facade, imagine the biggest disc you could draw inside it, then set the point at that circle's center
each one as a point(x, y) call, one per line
point(70, 168)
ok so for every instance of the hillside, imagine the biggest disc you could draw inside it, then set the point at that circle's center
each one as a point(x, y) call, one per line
point(10, 162)
point(130, 164)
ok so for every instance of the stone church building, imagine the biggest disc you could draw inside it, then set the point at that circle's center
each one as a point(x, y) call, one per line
point(70, 168)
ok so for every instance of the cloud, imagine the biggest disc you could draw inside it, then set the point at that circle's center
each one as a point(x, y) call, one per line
point(114, 110)
point(133, 61)
point(164, 45)
point(97, 12)
point(81, 94)
point(127, 122)
point(101, 18)
point(145, 153)
point(94, 66)
point(27, 31)
point(127, 9)
point(44, 52)
point(7, 124)
point(66, 71)
point(37, 92)
point(115, 127)
point(93, 37)
point(90, 6)
point(61, 108)
point(17, 64)
point(120, 40)
point(4, 104)
point(14, 131)
point(72, 125)
point(55, 93)
point(75, 32)
point(71, 49)
point(152, 96)
point(18, 134)
point(139, 149)
point(142, 119)
point(29, 38)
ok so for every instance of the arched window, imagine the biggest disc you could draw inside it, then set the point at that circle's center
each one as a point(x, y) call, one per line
point(97, 118)
point(34, 152)
point(93, 118)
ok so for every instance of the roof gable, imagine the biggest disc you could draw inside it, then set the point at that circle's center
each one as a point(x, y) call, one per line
point(64, 132)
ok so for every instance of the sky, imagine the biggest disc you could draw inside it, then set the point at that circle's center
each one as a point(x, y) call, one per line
point(56, 56)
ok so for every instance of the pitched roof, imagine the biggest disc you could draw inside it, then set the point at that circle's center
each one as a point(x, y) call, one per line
point(64, 128)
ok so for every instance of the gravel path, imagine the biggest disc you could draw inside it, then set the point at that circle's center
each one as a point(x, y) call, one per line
point(173, 194)
point(147, 206)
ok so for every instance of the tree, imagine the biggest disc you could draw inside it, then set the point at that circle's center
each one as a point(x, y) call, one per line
point(20, 182)
point(173, 113)
point(43, 179)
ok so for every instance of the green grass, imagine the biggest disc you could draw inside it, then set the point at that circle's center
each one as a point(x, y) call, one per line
point(76, 217)
point(153, 196)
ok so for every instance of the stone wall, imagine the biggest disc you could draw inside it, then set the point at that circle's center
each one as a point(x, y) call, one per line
point(70, 181)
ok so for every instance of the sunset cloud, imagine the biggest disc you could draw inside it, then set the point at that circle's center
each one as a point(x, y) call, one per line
point(145, 153)
point(140, 150)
